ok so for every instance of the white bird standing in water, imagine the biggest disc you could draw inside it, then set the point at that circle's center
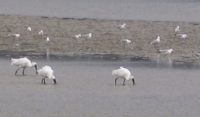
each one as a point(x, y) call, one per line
point(46, 72)
point(77, 36)
point(122, 26)
point(29, 29)
point(13, 35)
point(156, 41)
point(23, 63)
point(41, 32)
point(168, 51)
point(177, 29)
point(89, 35)
point(123, 73)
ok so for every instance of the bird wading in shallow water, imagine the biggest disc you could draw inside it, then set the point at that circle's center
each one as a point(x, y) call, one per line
point(46, 72)
point(123, 73)
point(23, 63)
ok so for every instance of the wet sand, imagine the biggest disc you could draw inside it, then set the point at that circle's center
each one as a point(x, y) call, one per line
point(105, 41)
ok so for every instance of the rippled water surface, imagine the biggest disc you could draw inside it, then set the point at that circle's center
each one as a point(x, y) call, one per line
point(156, 10)
point(86, 89)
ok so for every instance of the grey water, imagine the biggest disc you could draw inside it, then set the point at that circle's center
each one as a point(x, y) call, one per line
point(153, 10)
point(87, 89)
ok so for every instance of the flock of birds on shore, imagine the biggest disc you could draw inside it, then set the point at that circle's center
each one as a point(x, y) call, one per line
point(124, 73)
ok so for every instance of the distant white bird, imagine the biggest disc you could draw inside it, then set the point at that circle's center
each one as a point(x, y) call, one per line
point(126, 41)
point(168, 51)
point(29, 29)
point(47, 40)
point(122, 26)
point(197, 54)
point(46, 72)
point(41, 32)
point(89, 35)
point(77, 36)
point(177, 29)
point(13, 35)
point(182, 36)
point(156, 41)
point(123, 73)
point(23, 63)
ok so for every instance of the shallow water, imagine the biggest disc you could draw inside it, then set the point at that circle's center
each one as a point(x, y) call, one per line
point(156, 10)
point(86, 89)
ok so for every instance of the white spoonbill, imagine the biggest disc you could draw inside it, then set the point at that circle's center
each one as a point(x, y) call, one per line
point(23, 63)
point(89, 35)
point(77, 36)
point(122, 26)
point(168, 51)
point(123, 73)
point(177, 29)
point(41, 32)
point(46, 72)
point(13, 35)
point(29, 29)
point(156, 41)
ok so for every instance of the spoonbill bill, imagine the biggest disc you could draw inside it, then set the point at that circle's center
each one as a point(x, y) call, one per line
point(46, 72)
point(156, 41)
point(123, 73)
point(23, 63)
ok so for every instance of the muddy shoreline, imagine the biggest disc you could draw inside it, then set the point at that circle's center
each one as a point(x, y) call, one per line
point(105, 42)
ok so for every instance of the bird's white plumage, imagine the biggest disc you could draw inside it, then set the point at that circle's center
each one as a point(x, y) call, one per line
point(89, 35)
point(182, 36)
point(14, 35)
point(29, 29)
point(47, 40)
point(126, 41)
point(156, 41)
point(123, 73)
point(22, 62)
point(168, 51)
point(41, 32)
point(122, 26)
point(46, 72)
point(177, 29)
point(77, 36)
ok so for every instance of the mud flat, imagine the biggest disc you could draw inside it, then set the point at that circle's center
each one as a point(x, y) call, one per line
point(105, 42)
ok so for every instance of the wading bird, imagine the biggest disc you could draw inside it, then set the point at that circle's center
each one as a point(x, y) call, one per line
point(168, 51)
point(41, 32)
point(29, 29)
point(46, 72)
point(122, 26)
point(89, 35)
point(23, 63)
point(13, 35)
point(77, 36)
point(177, 29)
point(123, 73)
point(126, 41)
point(156, 41)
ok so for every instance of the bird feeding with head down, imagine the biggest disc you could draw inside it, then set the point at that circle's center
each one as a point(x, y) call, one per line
point(156, 41)
point(23, 63)
point(46, 72)
point(123, 73)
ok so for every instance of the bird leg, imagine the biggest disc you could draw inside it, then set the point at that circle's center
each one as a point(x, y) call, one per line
point(124, 81)
point(17, 70)
point(23, 71)
point(133, 81)
point(116, 80)
point(43, 80)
